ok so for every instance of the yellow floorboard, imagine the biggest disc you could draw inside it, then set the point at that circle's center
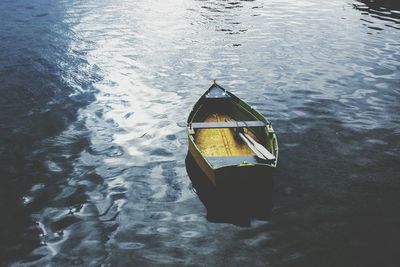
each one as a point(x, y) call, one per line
point(221, 142)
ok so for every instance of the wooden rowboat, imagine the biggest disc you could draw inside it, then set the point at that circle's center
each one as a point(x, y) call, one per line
point(229, 140)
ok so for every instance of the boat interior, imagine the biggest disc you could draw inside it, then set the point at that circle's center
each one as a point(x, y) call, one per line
point(216, 134)
point(218, 142)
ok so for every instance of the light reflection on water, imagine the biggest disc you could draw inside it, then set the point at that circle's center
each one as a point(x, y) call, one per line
point(110, 184)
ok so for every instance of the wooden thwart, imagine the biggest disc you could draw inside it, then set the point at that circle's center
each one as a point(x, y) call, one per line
point(228, 124)
point(217, 162)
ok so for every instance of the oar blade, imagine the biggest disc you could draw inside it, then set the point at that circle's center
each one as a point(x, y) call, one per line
point(268, 155)
point(253, 148)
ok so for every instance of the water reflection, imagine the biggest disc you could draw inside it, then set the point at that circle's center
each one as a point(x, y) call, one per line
point(380, 9)
point(94, 100)
point(227, 16)
point(237, 204)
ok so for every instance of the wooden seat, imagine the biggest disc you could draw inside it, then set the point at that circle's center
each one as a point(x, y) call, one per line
point(228, 124)
point(217, 162)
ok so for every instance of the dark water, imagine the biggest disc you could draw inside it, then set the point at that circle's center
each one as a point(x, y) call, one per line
point(93, 101)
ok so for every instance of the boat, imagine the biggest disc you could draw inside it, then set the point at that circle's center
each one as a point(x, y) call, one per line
point(230, 141)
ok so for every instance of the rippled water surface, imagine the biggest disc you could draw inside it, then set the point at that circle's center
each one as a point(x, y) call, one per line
point(93, 102)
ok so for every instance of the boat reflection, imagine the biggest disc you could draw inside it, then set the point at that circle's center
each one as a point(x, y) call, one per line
point(237, 204)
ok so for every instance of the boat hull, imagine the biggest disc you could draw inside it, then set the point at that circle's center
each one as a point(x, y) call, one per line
point(223, 159)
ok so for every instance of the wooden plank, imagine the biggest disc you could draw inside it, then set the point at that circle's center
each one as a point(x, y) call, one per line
point(217, 162)
point(228, 124)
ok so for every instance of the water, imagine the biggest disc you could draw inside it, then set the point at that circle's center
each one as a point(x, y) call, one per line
point(94, 97)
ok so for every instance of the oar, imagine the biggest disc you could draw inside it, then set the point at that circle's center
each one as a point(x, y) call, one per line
point(257, 148)
point(268, 155)
point(252, 147)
